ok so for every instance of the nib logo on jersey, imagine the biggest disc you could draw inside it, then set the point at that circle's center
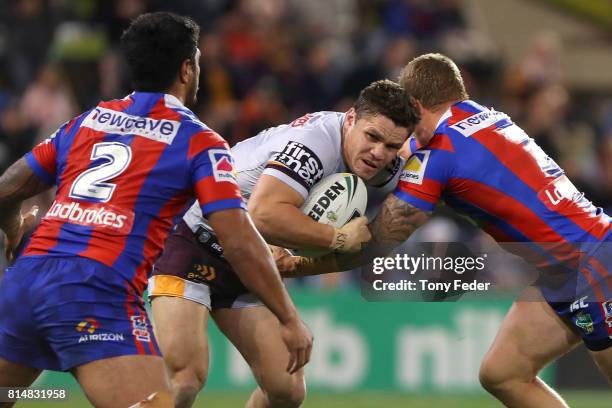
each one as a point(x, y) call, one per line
point(89, 327)
point(222, 165)
point(92, 215)
point(414, 170)
point(301, 161)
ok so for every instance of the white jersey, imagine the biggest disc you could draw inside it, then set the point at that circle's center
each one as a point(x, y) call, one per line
point(299, 154)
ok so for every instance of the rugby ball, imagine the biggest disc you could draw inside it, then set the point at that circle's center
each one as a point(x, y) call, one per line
point(335, 200)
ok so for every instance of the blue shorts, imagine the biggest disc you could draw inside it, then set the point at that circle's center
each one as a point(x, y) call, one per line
point(590, 308)
point(58, 313)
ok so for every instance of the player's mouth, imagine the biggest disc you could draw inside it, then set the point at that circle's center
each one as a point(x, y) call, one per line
point(370, 165)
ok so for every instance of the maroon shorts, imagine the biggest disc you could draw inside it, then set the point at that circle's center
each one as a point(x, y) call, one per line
point(189, 270)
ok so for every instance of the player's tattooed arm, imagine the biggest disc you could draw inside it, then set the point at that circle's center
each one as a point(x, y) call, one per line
point(17, 184)
point(395, 222)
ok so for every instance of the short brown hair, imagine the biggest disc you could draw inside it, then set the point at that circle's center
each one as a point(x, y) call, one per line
point(388, 98)
point(433, 79)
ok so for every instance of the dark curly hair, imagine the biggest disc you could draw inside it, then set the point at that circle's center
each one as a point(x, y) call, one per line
point(389, 99)
point(155, 46)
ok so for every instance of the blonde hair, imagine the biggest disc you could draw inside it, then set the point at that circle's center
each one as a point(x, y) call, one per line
point(433, 79)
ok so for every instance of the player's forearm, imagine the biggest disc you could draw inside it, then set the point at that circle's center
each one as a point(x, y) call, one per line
point(297, 266)
point(286, 226)
point(16, 184)
point(395, 222)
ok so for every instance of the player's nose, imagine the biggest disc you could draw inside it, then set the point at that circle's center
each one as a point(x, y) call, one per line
point(378, 151)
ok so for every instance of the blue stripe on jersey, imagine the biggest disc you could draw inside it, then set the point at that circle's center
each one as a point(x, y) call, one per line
point(417, 202)
point(470, 106)
point(483, 218)
point(72, 239)
point(478, 163)
point(38, 169)
point(148, 204)
point(437, 172)
point(226, 204)
point(64, 146)
point(143, 103)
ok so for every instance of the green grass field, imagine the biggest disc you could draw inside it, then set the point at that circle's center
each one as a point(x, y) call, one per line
point(583, 399)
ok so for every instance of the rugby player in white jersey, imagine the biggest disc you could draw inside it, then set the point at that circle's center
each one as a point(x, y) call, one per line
point(275, 171)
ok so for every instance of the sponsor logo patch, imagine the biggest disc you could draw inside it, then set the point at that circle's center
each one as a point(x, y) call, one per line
point(579, 304)
point(89, 327)
point(92, 215)
point(302, 120)
point(120, 123)
point(222, 165)
point(139, 328)
point(414, 170)
point(325, 201)
point(607, 307)
point(467, 127)
point(202, 273)
point(302, 161)
point(584, 321)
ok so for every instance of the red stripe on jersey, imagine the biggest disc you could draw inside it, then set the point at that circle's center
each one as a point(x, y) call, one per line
point(161, 111)
point(209, 190)
point(146, 154)
point(45, 236)
point(514, 157)
point(496, 232)
point(457, 115)
point(429, 190)
point(78, 159)
point(204, 140)
point(523, 165)
point(117, 104)
point(157, 233)
point(441, 142)
point(516, 214)
point(601, 270)
point(46, 154)
point(594, 283)
point(130, 312)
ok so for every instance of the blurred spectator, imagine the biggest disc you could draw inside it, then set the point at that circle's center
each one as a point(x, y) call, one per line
point(48, 101)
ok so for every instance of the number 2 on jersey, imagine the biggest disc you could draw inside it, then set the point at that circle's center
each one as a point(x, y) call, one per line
point(91, 184)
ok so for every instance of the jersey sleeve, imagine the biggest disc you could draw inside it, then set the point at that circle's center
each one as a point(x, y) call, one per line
point(424, 178)
point(42, 159)
point(213, 173)
point(302, 160)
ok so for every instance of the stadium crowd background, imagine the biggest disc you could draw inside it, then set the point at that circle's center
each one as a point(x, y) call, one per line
point(266, 62)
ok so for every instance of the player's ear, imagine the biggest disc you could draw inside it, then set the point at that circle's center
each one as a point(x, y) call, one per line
point(187, 70)
point(350, 118)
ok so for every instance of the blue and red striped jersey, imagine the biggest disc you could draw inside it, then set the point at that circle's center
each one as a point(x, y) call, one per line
point(486, 167)
point(124, 170)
